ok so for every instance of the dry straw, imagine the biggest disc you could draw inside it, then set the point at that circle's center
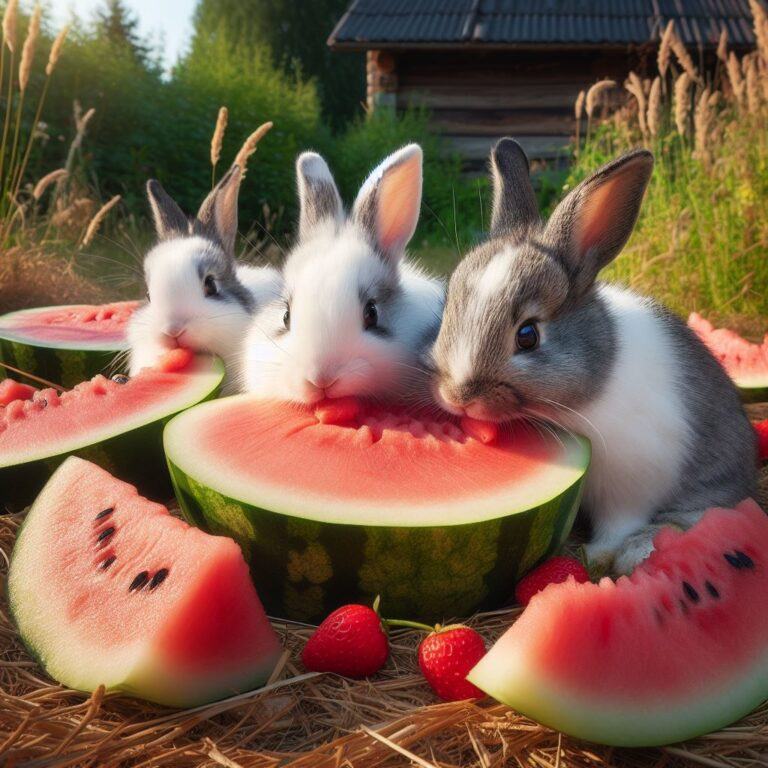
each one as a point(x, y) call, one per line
point(635, 86)
point(53, 57)
point(752, 77)
point(702, 123)
point(10, 21)
point(665, 48)
point(682, 103)
point(760, 22)
point(654, 108)
point(682, 56)
point(101, 214)
point(722, 45)
point(595, 93)
point(50, 178)
point(734, 76)
point(218, 135)
point(578, 107)
point(249, 146)
point(28, 51)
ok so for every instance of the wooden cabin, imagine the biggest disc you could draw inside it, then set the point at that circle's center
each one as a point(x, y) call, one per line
point(488, 68)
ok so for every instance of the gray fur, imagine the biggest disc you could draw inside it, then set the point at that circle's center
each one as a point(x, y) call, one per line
point(515, 210)
point(217, 218)
point(213, 261)
point(169, 219)
point(553, 269)
point(319, 199)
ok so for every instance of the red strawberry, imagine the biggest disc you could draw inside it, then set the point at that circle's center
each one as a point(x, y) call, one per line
point(761, 427)
point(446, 656)
point(553, 571)
point(351, 642)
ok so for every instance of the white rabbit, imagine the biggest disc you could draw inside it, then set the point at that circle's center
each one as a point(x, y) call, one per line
point(354, 317)
point(197, 295)
point(529, 333)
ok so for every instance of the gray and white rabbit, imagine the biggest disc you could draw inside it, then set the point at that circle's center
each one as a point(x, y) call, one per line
point(197, 295)
point(355, 316)
point(528, 331)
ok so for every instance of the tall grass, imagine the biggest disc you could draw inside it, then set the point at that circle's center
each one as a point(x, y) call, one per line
point(702, 239)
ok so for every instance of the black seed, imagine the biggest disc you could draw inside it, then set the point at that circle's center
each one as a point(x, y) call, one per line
point(745, 560)
point(106, 563)
point(105, 513)
point(158, 578)
point(120, 378)
point(733, 560)
point(106, 533)
point(139, 581)
point(712, 590)
point(691, 592)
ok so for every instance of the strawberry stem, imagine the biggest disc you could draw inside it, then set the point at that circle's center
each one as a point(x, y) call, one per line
point(408, 624)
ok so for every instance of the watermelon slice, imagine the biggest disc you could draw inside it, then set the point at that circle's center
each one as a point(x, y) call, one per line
point(11, 390)
point(678, 649)
point(339, 503)
point(66, 344)
point(746, 363)
point(107, 588)
point(117, 425)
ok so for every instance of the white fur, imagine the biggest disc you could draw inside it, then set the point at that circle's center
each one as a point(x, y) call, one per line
point(178, 312)
point(639, 435)
point(327, 352)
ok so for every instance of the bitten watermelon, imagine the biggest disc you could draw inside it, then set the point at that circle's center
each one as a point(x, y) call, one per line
point(107, 588)
point(117, 425)
point(339, 503)
point(746, 363)
point(677, 649)
point(66, 344)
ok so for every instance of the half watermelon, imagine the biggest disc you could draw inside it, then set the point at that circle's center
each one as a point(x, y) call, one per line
point(676, 650)
point(117, 425)
point(66, 344)
point(745, 362)
point(108, 589)
point(339, 503)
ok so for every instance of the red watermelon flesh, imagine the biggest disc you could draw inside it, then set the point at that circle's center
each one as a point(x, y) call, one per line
point(11, 390)
point(745, 362)
point(108, 588)
point(99, 323)
point(678, 649)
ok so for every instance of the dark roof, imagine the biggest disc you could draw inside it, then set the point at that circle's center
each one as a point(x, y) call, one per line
point(413, 23)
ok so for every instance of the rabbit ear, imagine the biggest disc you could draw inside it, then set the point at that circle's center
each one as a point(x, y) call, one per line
point(217, 217)
point(169, 219)
point(592, 224)
point(515, 210)
point(388, 204)
point(319, 200)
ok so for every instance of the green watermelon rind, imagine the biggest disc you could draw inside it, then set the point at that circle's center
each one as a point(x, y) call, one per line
point(305, 568)
point(134, 454)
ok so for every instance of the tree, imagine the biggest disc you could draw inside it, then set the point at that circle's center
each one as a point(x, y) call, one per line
point(115, 23)
point(296, 34)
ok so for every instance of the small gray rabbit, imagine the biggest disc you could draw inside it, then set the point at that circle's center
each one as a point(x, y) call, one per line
point(198, 296)
point(528, 332)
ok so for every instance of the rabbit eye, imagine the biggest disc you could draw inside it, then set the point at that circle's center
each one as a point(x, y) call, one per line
point(209, 286)
point(287, 319)
point(370, 314)
point(527, 336)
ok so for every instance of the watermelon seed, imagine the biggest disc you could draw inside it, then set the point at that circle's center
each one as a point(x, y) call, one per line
point(746, 560)
point(158, 578)
point(105, 513)
point(691, 592)
point(120, 378)
point(139, 581)
point(712, 590)
point(106, 563)
point(106, 533)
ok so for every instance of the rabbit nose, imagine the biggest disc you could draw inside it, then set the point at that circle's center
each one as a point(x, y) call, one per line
point(322, 380)
point(174, 330)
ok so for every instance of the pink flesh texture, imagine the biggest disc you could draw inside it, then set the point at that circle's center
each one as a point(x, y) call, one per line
point(342, 447)
point(642, 638)
point(106, 322)
point(205, 612)
point(739, 357)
